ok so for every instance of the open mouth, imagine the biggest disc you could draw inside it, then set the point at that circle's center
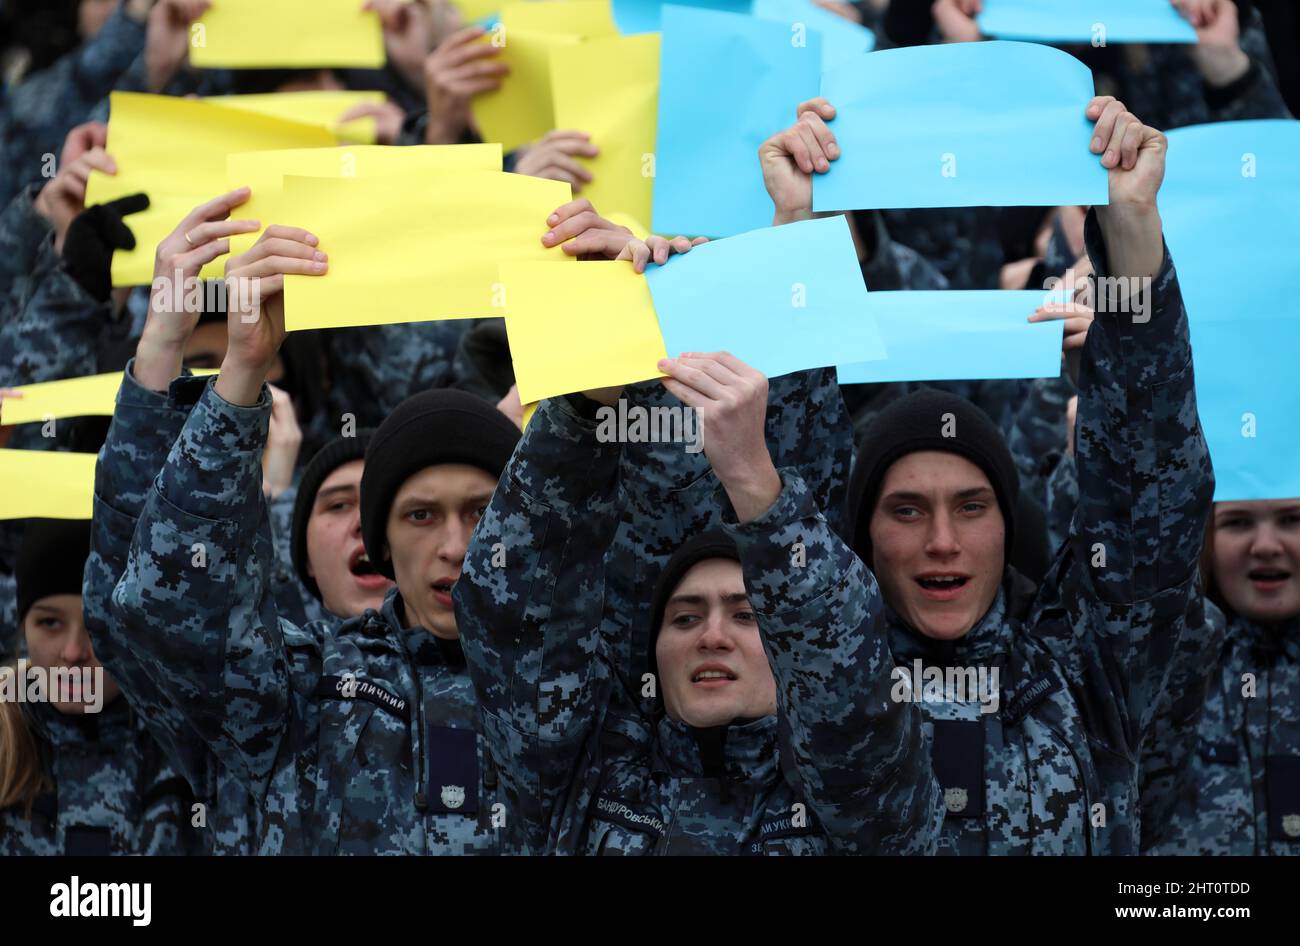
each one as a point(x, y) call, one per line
point(442, 591)
point(942, 587)
point(364, 571)
point(713, 676)
point(1267, 578)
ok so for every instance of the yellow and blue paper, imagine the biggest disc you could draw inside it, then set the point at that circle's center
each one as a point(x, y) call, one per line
point(953, 335)
point(302, 34)
point(841, 38)
point(961, 125)
point(645, 16)
point(1230, 204)
point(145, 137)
point(781, 299)
point(726, 84)
point(609, 88)
point(1085, 21)
point(575, 328)
point(47, 484)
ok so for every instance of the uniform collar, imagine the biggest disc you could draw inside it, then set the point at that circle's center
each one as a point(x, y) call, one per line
point(1270, 641)
point(420, 644)
point(742, 752)
point(61, 729)
point(987, 641)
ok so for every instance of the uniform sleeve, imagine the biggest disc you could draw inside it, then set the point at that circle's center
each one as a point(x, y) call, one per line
point(55, 330)
point(859, 753)
point(194, 601)
point(1145, 488)
point(22, 233)
point(144, 427)
point(528, 608)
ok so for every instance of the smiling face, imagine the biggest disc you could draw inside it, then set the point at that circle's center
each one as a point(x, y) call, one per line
point(712, 667)
point(1256, 558)
point(429, 525)
point(938, 541)
point(56, 637)
point(336, 556)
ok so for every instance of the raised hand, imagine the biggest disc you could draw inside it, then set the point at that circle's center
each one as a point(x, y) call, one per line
point(554, 157)
point(791, 157)
point(459, 69)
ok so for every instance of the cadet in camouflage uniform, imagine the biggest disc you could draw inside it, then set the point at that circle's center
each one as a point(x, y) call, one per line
point(1065, 746)
point(1244, 793)
point(83, 782)
point(583, 767)
point(354, 740)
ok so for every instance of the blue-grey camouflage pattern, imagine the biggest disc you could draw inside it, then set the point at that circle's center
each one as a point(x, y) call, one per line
point(41, 110)
point(962, 242)
point(376, 367)
point(1062, 498)
point(112, 790)
point(325, 727)
point(1163, 84)
point(145, 425)
point(23, 232)
point(9, 642)
point(1038, 437)
point(557, 657)
point(1243, 796)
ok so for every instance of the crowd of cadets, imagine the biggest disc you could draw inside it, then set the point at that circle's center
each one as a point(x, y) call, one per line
point(343, 605)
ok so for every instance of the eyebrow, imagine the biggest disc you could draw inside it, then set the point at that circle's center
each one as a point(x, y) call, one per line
point(734, 597)
point(325, 494)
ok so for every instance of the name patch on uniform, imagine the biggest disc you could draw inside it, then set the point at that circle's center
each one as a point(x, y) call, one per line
point(616, 812)
point(453, 770)
point(348, 687)
point(1219, 753)
point(787, 826)
point(1028, 695)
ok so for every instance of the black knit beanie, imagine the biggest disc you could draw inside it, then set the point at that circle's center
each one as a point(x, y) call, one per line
point(328, 458)
point(433, 427)
point(51, 560)
point(706, 545)
point(918, 421)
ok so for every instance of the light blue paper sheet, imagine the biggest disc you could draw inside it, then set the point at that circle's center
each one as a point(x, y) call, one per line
point(781, 299)
point(1085, 21)
point(643, 16)
point(726, 84)
point(955, 335)
point(961, 125)
point(1230, 203)
point(841, 39)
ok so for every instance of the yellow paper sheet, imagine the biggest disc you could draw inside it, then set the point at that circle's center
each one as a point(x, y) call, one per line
point(174, 150)
point(415, 247)
point(76, 397)
point(264, 172)
point(46, 484)
point(583, 18)
point(313, 108)
point(273, 34)
point(587, 326)
point(609, 88)
point(472, 11)
point(521, 110)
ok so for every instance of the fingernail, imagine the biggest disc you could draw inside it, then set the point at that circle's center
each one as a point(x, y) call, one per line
point(321, 257)
point(552, 220)
point(1110, 155)
point(311, 240)
point(319, 267)
point(1096, 142)
point(833, 150)
point(548, 236)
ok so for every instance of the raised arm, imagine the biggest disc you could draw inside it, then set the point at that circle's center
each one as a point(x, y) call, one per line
point(528, 609)
point(194, 602)
point(857, 752)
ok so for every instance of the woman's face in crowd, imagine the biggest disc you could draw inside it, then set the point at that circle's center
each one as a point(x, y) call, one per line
point(1257, 558)
point(712, 667)
point(429, 526)
point(336, 556)
point(937, 537)
point(56, 637)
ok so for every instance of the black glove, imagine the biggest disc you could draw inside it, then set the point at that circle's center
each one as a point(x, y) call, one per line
point(93, 236)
